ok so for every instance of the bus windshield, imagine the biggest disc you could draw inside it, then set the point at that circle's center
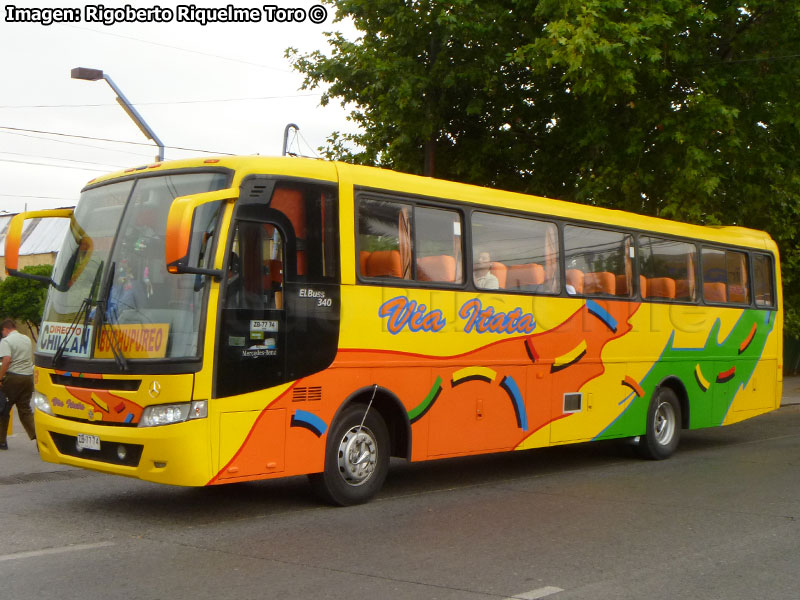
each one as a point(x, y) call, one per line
point(117, 237)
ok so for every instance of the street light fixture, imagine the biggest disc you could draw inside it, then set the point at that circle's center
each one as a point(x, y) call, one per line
point(94, 75)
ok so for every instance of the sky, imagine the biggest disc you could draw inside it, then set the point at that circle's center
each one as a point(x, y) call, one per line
point(219, 88)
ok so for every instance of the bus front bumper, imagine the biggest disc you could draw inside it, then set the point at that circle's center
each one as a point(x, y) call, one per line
point(175, 454)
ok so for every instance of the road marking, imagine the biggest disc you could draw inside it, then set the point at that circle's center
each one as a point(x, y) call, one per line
point(48, 551)
point(536, 594)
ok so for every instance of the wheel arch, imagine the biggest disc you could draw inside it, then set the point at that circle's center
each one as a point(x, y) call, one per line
point(676, 385)
point(391, 410)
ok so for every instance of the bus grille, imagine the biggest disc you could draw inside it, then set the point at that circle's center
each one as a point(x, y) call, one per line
point(108, 452)
point(125, 385)
point(307, 394)
point(103, 423)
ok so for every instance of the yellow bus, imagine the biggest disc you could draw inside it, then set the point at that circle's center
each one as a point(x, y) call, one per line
point(223, 320)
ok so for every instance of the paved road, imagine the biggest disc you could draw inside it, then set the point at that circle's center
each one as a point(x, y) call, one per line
point(718, 520)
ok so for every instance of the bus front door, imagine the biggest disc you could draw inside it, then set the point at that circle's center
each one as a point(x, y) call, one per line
point(252, 342)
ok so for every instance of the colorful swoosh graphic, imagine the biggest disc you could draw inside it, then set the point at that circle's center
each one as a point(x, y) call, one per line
point(509, 393)
point(733, 360)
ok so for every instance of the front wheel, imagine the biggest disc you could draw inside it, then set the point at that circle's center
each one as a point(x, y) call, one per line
point(356, 458)
point(663, 426)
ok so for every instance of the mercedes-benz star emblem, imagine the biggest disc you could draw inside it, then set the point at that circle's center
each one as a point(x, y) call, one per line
point(155, 389)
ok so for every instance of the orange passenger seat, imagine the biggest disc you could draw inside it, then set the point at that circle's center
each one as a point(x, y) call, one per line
point(601, 282)
point(683, 289)
point(522, 276)
point(363, 257)
point(436, 268)
point(738, 293)
point(622, 285)
point(575, 278)
point(661, 287)
point(384, 263)
point(715, 292)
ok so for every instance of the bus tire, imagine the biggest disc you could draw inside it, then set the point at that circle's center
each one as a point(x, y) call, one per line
point(663, 432)
point(356, 458)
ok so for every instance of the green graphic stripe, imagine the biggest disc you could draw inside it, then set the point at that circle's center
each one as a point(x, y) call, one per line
point(728, 366)
point(417, 413)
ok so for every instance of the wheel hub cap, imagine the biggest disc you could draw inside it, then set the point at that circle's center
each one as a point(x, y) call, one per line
point(665, 423)
point(358, 454)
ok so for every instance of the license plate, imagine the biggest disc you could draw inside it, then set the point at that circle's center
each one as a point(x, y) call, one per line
point(88, 442)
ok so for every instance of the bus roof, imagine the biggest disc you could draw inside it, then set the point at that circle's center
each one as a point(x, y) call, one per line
point(384, 179)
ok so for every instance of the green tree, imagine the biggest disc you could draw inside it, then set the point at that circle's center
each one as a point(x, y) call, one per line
point(23, 299)
point(685, 109)
point(426, 82)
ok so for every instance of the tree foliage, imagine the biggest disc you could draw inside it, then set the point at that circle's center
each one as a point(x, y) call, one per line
point(23, 299)
point(684, 109)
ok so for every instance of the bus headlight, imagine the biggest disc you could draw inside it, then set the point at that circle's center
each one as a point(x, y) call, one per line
point(40, 402)
point(167, 414)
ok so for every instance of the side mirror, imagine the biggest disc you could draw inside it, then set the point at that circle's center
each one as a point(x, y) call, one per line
point(180, 225)
point(14, 239)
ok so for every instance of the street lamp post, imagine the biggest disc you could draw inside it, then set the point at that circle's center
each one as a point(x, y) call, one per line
point(94, 75)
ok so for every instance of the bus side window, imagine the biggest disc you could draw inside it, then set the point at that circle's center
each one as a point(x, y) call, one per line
point(514, 253)
point(384, 238)
point(668, 269)
point(311, 212)
point(763, 283)
point(725, 276)
point(600, 259)
point(291, 203)
point(404, 241)
point(437, 245)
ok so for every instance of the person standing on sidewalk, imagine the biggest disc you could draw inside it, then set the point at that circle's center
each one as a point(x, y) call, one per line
point(16, 378)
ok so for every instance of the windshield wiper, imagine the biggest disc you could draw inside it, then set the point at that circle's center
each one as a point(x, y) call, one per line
point(113, 342)
point(83, 312)
point(104, 316)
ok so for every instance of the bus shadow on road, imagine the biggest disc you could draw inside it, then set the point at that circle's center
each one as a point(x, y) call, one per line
point(160, 505)
point(156, 505)
point(417, 478)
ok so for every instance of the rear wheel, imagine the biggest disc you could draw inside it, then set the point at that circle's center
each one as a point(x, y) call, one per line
point(356, 458)
point(663, 426)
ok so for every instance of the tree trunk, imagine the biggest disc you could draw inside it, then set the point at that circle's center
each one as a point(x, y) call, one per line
point(430, 158)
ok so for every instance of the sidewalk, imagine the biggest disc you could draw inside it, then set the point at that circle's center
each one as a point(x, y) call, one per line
point(791, 390)
point(21, 459)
